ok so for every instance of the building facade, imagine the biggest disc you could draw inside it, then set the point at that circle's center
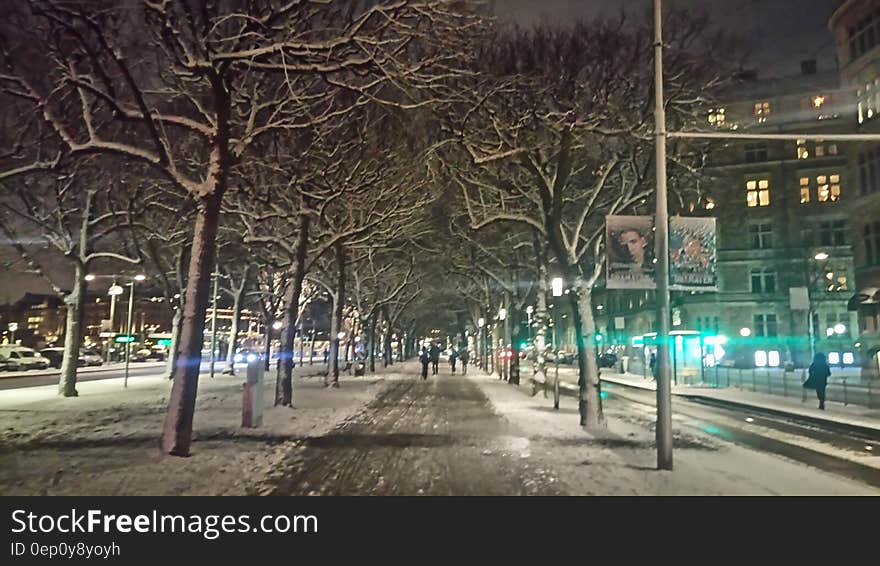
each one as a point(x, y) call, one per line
point(856, 29)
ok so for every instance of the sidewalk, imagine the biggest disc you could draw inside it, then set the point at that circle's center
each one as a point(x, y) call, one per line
point(105, 442)
point(835, 413)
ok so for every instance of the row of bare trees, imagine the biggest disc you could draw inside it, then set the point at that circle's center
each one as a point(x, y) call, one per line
point(377, 151)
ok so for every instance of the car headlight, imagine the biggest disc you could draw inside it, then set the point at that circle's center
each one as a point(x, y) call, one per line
point(252, 357)
point(237, 357)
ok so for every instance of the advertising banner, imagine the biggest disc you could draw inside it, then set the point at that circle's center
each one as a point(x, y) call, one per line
point(692, 254)
point(630, 249)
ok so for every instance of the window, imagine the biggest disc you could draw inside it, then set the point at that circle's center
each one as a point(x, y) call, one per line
point(827, 188)
point(765, 325)
point(868, 100)
point(832, 233)
point(805, 190)
point(758, 193)
point(835, 280)
point(871, 235)
point(761, 236)
point(762, 111)
point(806, 149)
point(763, 281)
point(869, 171)
point(864, 35)
point(716, 117)
point(756, 152)
point(819, 106)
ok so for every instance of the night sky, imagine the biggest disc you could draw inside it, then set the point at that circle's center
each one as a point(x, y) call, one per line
point(781, 33)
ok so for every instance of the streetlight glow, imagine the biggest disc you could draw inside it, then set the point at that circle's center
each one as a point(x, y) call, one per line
point(277, 325)
point(821, 256)
point(341, 335)
point(114, 290)
point(745, 332)
point(89, 277)
point(502, 313)
point(481, 322)
point(140, 277)
point(839, 328)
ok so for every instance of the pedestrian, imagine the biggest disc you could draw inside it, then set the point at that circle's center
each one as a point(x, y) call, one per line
point(434, 353)
point(654, 365)
point(464, 356)
point(326, 354)
point(424, 358)
point(453, 357)
point(819, 373)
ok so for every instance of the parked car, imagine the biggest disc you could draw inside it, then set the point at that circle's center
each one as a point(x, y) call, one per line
point(91, 357)
point(19, 358)
point(147, 354)
point(56, 356)
point(607, 360)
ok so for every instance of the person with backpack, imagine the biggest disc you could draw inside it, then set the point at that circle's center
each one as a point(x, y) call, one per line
point(464, 356)
point(819, 373)
point(434, 353)
point(424, 358)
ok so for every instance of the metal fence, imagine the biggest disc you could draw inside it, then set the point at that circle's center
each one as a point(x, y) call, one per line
point(846, 390)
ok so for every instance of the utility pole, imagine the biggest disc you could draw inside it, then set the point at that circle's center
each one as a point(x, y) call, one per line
point(214, 322)
point(664, 393)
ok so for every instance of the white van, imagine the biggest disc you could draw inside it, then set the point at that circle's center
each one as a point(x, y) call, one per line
point(17, 358)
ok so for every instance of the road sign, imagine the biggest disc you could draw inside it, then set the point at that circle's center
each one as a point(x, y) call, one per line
point(124, 338)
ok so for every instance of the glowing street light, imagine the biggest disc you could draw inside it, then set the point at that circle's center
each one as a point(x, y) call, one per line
point(821, 256)
point(341, 335)
point(89, 277)
point(745, 332)
point(839, 328)
point(481, 322)
point(277, 325)
point(502, 313)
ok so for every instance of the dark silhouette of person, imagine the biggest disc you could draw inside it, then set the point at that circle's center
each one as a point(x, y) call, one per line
point(464, 356)
point(424, 358)
point(453, 357)
point(434, 352)
point(655, 367)
point(819, 373)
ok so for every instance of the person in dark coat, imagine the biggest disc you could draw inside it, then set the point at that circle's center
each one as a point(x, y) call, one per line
point(424, 358)
point(453, 358)
point(655, 367)
point(464, 356)
point(818, 379)
point(434, 352)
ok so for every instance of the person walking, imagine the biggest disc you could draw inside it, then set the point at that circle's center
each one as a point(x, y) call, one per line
point(424, 358)
point(464, 356)
point(434, 353)
point(453, 357)
point(819, 373)
point(655, 368)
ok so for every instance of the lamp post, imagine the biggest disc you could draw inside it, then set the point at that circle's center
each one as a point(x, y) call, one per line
point(529, 311)
point(481, 323)
point(216, 277)
point(128, 338)
point(813, 279)
point(502, 317)
point(664, 392)
point(114, 291)
point(13, 326)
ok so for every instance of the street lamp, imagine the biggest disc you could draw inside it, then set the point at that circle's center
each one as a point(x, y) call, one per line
point(745, 332)
point(821, 256)
point(839, 328)
point(277, 325)
point(128, 337)
point(557, 285)
point(13, 326)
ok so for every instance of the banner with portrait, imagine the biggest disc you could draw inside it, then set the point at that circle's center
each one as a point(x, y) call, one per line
point(630, 252)
point(692, 254)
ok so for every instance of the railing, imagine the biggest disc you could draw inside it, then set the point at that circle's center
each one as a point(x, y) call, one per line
point(846, 390)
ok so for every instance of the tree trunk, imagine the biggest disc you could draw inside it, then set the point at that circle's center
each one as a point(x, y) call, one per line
point(386, 339)
point(338, 314)
point(516, 337)
point(72, 333)
point(284, 377)
point(177, 431)
point(267, 341)
point(333, 352)
point(176, 322)
point(589, 394)
point(233, 332)
point(541, 316)
point(373, 343)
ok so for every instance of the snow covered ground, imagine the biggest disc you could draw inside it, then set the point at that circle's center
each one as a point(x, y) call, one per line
point(622, 460)
point(105, 442)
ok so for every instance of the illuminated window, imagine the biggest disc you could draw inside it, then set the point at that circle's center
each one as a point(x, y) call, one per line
point(819, 149)
point(758, 193)
point(802, 151)
point(818, 101)
point(760, 359)
point(716, 117)
point(762, 111)
point(805, 190)
point(828, 188)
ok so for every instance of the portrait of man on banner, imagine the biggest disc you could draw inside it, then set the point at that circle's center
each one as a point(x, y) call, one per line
point(692, 254)
point(630, 252)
